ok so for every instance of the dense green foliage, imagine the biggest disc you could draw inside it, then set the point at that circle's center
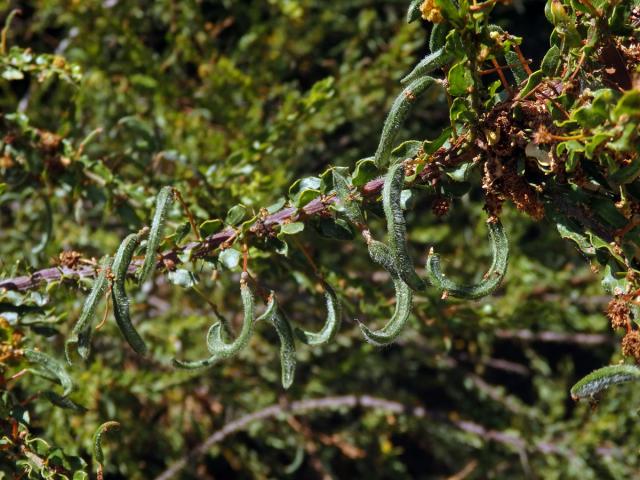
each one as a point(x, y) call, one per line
point(233, 182)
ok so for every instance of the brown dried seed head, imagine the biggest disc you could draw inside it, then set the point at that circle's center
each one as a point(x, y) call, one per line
point(440, 206)
point(631, 344)
point(619, 313)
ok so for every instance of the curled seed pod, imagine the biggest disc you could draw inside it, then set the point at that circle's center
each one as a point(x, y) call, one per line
point(216, 344)
point(283, 328)
point(83, 329)
point(390, 332)
point(413, 13)
point(492, 279)
point(397, 228)
point(51, 368)
point(119, 295)
point(397, 115)
point(603, 378)
point(195, 364)
point(429, 64)
point(163, 203)
point(63, 402)
point(212, 336)
point(382, 255)
point(331, 325)
point(438, 36)
point(351, 208)
point(97, 439)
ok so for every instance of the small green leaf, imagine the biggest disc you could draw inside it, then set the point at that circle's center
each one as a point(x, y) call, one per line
point(292, 228)
point(230, 258)
point(460, 79)
point(210, 227)
point(364, 172)
point(235, 215)
point(182, 278)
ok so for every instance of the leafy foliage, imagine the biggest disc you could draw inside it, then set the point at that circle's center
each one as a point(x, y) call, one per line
point(251, 117)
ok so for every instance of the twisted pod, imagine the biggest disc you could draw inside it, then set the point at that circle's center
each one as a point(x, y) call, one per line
point(382, 255)
point(491, 280)
point(287, 341)
point(332, 323)
point(603, 378)
point(50, 368)
point(119, 294)
point(397, 227)
point(83, 329)
point(216, 344)
point(163, 203)
point(397, 115)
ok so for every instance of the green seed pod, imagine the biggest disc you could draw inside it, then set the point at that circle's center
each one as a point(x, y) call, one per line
point(382, 255)
point(331, 325)
point(97, 439)
point(438, 36)
point(216, 344)
point(83, 329)
point(51, 368)
point(287, 347)
point(63, 402)
point(163, 203)
point(397, 115)
point(413, 13)
point(195, 364)
point(351, 208)
point(390, 332)
point(287, 341)
point(492, 279)
point(212, 336)
point(602, 378)
point(119, 295)
point(397, 228)
point(428, 65)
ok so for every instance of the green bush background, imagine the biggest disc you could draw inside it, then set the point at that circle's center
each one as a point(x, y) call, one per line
point(230, 102)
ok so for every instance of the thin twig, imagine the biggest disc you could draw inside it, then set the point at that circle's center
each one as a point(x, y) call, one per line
point(354, 401)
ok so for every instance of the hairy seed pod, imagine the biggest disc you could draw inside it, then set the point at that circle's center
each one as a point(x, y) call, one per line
point(97, 439)
point(216, 344)
point(382, 255)
point(287, 341)
point(603, 378)
point(51, 368)
point(413, 13)
point(212, 335)
point(287, 347)
point(390, 332)
point(195, 364)
point(119, 295)
point(351, 208)
point(397, 228)
point(83, 329)
point(331, 325)
point(62, 402)
point(163, 203)
point(438, 36)
point(397, 115)
point(492, 279)
point(428, 65)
